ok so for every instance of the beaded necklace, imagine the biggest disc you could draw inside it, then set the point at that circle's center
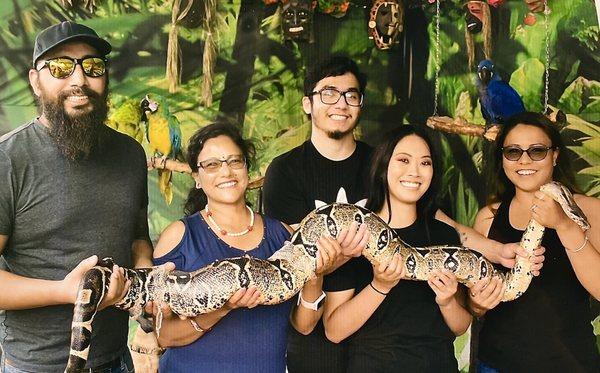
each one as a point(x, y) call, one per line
point(223, 231)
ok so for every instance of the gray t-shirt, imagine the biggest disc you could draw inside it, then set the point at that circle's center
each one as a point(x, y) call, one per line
point(56, 213)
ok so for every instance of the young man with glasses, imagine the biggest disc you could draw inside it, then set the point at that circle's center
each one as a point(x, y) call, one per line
point(331, 166)
point(70, 188)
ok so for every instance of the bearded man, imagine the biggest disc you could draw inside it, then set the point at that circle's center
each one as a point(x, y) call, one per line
point(71, 190)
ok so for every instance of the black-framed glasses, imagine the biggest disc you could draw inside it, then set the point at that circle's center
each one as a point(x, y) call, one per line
point(63, 67)
point(330, 96)
point(535, 152)
point(212, 165)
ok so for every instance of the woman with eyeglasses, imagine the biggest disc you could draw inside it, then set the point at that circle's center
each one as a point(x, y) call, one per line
point(548, 328)
point(391, 324)
point(242, 336)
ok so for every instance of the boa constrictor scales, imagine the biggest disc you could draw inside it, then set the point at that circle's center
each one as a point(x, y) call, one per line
point(282, 275)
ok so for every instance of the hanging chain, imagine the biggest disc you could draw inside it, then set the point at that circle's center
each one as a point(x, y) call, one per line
point(437, 56)
point(547, 31)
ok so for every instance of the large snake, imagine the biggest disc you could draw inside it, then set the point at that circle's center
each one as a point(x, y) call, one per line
point(283, 274)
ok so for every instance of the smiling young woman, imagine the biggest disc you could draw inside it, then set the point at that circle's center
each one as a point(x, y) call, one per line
point(388, 322)
point(551, 321)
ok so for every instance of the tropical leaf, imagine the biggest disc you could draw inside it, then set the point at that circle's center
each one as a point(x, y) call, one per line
point(577, 95)
point(526, 80)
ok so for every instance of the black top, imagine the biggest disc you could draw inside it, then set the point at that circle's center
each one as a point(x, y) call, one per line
point(407, 332)
point(546, 329)
point(295, 182)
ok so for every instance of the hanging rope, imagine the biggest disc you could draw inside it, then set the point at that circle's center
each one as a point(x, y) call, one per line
point(210, 51)
point(437, 57)
point(547, 35)
point(173, 51)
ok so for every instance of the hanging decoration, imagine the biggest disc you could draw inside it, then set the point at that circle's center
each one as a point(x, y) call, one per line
point(335, 8)
point(209, 56)
point(173, 70)
point(386, 22)
point(297, 19)
point(478, 19)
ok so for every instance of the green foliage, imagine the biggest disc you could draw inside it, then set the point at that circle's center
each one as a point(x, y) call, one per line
point(526, 81)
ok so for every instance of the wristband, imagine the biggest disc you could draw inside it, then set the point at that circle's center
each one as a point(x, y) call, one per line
point(377, 290)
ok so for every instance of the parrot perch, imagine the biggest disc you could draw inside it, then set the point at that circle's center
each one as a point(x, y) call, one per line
point(498, 99)
point(164, 139)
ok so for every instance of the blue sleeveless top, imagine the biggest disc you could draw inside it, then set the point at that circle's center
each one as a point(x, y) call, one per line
point(246, 340)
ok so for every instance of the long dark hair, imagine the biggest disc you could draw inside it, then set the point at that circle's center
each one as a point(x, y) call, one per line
point(378, 188)
point(196, 199)
point(499, 186)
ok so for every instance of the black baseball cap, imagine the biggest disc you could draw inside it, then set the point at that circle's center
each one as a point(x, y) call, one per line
point(66, 31)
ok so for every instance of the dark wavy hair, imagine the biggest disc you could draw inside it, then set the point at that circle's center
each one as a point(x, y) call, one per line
point(196, 199)
point(378, 189)
point(335, 65)
point(499, 186)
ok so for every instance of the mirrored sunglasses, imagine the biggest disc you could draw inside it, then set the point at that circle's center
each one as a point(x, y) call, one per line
point(63, 67)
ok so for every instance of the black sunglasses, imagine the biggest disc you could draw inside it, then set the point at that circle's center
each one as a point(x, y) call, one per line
point(535, 152)
point(63, 67)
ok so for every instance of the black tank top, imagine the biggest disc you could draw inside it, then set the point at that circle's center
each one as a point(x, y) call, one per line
point(549, 327)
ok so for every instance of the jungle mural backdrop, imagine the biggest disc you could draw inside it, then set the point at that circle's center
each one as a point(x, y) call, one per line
point(244, 61)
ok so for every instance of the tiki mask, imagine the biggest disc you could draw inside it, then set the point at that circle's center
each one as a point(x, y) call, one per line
point(297, 19)
point(386, 21)
point(474, 24)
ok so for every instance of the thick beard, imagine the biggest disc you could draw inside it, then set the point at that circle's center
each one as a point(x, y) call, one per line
point(76, 136)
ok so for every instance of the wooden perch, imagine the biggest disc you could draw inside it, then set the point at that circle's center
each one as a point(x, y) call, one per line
point(462, 127)
point(168, 164)
point(176, 166)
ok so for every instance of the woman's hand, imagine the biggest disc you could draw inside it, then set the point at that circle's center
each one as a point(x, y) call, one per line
point(444, 284)
point(354, 239)
point(245, 297)
point(388, 275)
point(548, 212)
point(486, 294)
point(328, 252)
point(510, 251)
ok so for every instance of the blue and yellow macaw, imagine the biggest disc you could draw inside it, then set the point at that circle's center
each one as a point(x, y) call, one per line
point(164, 139)
point(498, 99)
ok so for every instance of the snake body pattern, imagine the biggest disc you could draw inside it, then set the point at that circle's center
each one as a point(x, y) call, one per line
point(283, 274)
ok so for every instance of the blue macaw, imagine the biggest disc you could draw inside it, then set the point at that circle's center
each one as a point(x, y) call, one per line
point(498, 100)
point(164, 139)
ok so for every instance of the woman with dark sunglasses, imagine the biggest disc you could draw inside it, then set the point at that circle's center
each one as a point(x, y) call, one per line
point(548, 328)
point(242, 336)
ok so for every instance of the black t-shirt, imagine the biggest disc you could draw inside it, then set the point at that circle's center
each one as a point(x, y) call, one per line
point(407, 332)
point(295, 183)
point(549, 327)
point(297, 180)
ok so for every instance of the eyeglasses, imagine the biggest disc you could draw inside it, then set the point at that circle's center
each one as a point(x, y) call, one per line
point(212, 165)
point(63, 67)
point(330, 96)
point(535, 152)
